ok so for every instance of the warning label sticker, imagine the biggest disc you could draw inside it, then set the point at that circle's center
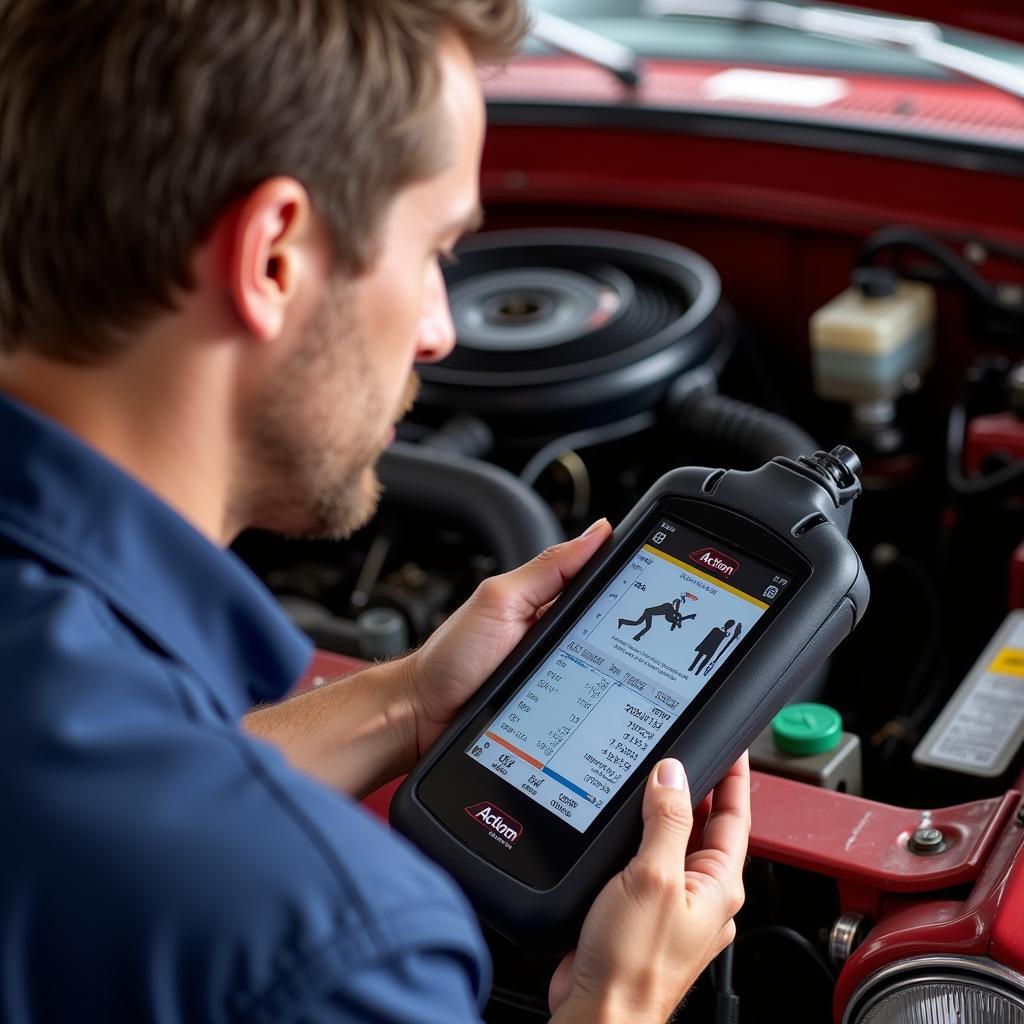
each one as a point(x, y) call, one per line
point(982, 727)
point(1008, 662)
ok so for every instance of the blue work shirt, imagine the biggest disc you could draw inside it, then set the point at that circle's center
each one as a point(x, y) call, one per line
point(156, 862)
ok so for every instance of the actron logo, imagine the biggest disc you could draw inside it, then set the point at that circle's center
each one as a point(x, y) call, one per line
point(715, 561)
point(496, 821)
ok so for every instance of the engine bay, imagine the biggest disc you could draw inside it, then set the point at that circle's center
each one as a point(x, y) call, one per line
point(615, 323)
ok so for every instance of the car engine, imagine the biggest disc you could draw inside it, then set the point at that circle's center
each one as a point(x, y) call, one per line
point(590, 362)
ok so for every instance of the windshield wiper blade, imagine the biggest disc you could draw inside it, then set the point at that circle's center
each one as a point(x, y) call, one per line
point(590, 46)
point(923, 39)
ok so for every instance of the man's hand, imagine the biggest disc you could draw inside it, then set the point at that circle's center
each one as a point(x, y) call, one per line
point(450, 667)
point(660, 922)
point(363, 730)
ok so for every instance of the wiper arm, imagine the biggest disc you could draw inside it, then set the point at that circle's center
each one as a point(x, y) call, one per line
point(590, 46)
point(923, 39)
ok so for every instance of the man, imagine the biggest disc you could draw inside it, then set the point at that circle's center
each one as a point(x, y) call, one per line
point(220, 223)
point(669, 611)
point(737, 632)
point(705, 650)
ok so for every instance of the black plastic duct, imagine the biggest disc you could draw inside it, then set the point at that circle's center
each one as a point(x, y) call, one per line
point(739, 435)
point(562, 329)
point(507, 515)
point(748, 436)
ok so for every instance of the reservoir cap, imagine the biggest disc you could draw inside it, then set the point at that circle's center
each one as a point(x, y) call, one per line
point(806, 729)
point(875, 282)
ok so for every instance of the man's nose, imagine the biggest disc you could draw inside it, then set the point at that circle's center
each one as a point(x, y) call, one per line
point(436, 329)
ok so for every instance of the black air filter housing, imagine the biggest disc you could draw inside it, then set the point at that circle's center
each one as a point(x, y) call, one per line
point(559, 329)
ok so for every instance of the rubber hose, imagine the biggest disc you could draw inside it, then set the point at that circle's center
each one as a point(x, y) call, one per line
point(462, 435)
point(508, 516)
point(750, 434)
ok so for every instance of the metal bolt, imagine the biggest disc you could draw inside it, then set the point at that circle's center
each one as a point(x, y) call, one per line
point(976, 253)
point(927, 840)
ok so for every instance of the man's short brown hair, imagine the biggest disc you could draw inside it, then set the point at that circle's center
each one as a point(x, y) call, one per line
point(128, 126)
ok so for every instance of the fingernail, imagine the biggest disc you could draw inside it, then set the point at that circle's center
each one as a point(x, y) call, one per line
point(594, 526)
point(671, 774)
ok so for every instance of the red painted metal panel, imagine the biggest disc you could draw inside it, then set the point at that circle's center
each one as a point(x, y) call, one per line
point(864, 842)
point(966, 926)
point(324, 667)
point(617, 169)
point(999, 435)
point(929, 108)
point(380, 800)
point(1007, 943)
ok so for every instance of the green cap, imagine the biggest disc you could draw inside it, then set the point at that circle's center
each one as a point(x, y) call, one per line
point(806, 729)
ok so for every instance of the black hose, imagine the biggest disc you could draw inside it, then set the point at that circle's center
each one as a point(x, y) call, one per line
point(727, 1003)
point(903, 237)
point(581, 439)
point(999, 483)
point(750, 435)
point(924, 687)
point(507, 515)
point(462, 435)
point(796, 939)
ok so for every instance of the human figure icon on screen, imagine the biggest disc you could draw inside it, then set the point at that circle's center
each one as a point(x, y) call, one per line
point(737, 630)
point(669, 611)
point(707, 647)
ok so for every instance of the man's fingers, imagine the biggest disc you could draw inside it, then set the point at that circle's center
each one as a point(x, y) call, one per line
point(668, 819)
point(728, 826)
point(530, 587)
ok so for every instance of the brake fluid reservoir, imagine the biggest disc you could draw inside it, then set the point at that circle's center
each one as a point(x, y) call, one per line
point(874, 341)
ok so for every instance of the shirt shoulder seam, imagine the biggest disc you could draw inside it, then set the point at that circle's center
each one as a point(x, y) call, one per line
point(119, 634)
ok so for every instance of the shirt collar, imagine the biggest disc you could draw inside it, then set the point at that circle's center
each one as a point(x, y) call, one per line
point(68, 504)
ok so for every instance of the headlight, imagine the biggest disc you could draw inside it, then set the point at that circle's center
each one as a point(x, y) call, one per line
point(939, 990)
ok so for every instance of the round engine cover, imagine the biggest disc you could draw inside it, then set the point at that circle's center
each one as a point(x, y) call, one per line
point(559, 329)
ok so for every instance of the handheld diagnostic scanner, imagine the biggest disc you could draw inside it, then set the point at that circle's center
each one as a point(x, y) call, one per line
point(714, 599)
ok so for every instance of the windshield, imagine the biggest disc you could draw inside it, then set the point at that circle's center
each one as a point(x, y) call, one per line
point(689, 37)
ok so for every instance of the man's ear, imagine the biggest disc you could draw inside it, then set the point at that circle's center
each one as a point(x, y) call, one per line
point(268, 251)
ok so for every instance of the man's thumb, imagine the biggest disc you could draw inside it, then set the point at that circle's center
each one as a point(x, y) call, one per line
point(668, 816)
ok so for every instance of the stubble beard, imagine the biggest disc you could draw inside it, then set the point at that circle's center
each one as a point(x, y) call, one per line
point(319, 431)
